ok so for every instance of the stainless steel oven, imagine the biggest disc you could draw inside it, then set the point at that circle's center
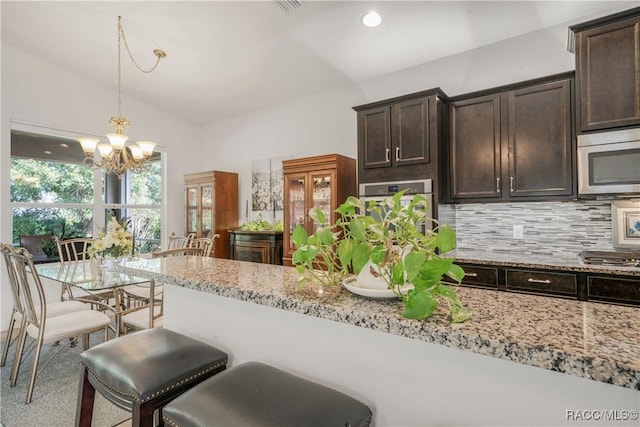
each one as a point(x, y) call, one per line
point(382, 190)
point(609, 162)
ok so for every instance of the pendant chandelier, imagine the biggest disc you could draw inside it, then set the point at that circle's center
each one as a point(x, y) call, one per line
point(115, 156)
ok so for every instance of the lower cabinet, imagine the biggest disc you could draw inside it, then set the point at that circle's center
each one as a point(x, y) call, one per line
point(542, 282)
point(613, 289)
point(578, 285)
point(480, 277)
point(256, 246)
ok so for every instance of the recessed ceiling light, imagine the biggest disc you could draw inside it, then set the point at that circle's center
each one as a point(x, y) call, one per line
point(371, 19)
point(47, 152)
point(63, 145)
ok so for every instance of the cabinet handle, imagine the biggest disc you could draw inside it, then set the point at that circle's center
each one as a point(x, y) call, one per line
point(388, 154)
point(397, 154)
point(471, 274)
point(498, 184)
point(545, 281)
point(511, 182)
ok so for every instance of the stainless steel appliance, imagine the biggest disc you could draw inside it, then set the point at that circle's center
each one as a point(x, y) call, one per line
point(620, 258)
point(609, 162)
point(382, 190)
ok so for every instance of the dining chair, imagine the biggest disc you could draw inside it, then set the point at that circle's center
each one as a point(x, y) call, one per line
point(144, 311)
point(35, 322)
point(206, 243)
point(74, 254)
point(145, 315)
point(17, 312)
point(179, 241)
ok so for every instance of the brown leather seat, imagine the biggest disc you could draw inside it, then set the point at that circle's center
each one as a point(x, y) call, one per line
point(255, 394)
point(142, 371)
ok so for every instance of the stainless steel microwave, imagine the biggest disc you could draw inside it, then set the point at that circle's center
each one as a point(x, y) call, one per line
point(609, 163)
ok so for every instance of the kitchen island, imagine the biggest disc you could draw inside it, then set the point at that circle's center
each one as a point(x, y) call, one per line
point(521, 359)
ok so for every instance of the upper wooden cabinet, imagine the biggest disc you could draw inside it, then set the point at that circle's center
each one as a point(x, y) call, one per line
point(211, 201)
point(398, 137)
point(514, 143)
point(322, 182)
point(608, 71)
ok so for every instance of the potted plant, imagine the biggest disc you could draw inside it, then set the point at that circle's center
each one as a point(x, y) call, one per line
point(385, 240)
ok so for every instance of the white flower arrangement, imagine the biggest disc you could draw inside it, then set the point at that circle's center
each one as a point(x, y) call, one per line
point(116, 241)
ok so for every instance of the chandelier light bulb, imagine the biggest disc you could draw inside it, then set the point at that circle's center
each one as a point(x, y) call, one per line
point(146, 147)
point(106, 150)
point(88, 145)
point(371, 19)
point(136, 152)
point(117, 140)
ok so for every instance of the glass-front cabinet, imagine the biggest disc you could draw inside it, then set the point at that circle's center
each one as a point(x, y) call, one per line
point(211, 201)
point(322, 182)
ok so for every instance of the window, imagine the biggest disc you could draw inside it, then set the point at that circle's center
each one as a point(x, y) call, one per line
point(53, 192)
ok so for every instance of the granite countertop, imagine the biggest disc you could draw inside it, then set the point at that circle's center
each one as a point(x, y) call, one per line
point(569, 262)
point(591, 340)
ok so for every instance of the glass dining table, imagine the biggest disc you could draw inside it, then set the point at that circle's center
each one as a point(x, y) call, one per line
point(88, 282)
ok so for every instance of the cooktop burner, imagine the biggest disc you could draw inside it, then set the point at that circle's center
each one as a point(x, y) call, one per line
point(623, 258)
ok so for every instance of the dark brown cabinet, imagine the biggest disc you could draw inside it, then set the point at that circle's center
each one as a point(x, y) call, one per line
point(608, 71)
point(480, 277)
point(398, 138)
point(572, 283)
point(475, 148)
point(613, 289)
point(542, 282)
point(514, 143)
point(256, 246)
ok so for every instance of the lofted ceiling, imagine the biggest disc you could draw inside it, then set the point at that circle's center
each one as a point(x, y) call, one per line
point(232, 57)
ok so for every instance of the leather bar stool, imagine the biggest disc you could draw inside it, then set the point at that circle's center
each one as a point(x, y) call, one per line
point(255, 394)
point(143, 371)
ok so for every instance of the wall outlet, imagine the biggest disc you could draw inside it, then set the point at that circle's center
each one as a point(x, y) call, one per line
point(518, 232)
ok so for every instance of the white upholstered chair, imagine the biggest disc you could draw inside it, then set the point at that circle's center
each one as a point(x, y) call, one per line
point(36, 323)
point(53, 309)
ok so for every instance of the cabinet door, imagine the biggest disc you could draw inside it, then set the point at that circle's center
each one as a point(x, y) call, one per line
point(410, 131)
point(206, 210)
point(374, 147)
point(540, 136)
point(296, 208)
point(322, 196)
point(191, 194)
point(475, 148)
point(608, 73)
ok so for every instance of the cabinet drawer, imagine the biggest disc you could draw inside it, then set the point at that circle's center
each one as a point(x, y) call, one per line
point(485, 277)
point(542, 282)
point(613, 289)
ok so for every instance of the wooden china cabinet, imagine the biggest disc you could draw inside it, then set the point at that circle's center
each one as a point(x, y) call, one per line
point(322, 182)
point(211, 201)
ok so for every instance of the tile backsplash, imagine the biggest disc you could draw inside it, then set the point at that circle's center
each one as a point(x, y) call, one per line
point(561, 229)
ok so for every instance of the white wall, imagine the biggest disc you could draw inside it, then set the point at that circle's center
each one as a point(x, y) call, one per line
point(40, 93)
point(326, 123)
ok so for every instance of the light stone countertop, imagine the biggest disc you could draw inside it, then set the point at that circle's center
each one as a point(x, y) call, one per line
point(591, 340)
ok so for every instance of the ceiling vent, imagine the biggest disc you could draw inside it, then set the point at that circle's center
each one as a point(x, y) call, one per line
point(287, 5)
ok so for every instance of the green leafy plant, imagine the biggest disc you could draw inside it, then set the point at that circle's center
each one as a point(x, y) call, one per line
point(262, 225)
point(389, 241)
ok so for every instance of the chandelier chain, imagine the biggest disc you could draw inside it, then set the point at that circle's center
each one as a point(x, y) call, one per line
point(126, 45)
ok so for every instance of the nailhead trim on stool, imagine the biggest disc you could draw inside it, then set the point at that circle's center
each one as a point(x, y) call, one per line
point(255, 394)
point(142, 371)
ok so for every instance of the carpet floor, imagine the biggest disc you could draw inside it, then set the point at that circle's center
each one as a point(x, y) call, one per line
point(55, 393)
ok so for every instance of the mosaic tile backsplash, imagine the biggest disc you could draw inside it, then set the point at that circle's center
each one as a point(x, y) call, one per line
point(561, 229)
